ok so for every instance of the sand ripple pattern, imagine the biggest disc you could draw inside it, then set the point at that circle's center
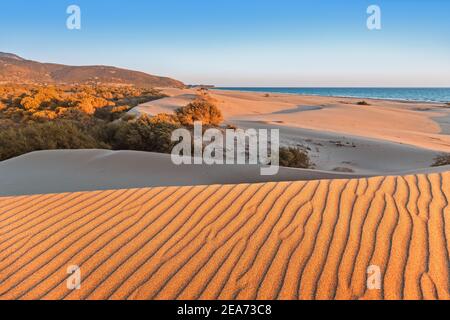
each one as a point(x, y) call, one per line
point(291, 240)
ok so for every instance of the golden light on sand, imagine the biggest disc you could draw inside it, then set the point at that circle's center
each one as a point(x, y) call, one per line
point(288, 240)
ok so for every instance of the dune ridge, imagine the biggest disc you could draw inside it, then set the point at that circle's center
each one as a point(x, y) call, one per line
point(276, 240)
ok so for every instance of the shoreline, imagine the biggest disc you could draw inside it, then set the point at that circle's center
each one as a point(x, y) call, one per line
point(332, 96)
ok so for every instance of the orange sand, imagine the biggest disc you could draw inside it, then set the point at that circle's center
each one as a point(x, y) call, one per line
point(290, 240)
point(412, 123)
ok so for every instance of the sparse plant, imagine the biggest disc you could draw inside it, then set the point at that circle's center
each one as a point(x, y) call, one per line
point(363, 103)
point(294, 157)
point(442, 160)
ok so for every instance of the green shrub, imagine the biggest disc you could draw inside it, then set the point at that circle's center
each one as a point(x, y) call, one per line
point(144, 135)
point(15, 141)
point(294, 157)
point(111, 113)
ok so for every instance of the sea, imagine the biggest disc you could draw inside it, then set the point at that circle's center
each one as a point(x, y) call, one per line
point(404, 94)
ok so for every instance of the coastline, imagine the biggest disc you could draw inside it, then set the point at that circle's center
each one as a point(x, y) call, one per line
point(405, 100)
point(382, 138)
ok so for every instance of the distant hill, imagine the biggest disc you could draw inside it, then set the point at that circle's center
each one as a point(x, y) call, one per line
point(15, 69)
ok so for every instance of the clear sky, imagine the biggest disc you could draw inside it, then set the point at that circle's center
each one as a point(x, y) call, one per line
point(242, 42)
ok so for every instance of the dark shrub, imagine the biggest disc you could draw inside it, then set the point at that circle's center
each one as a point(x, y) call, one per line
point(111, 113)
point(15, 141)
point(294, 157)
point(144, 135)
point(442, 160)
point(362, 103)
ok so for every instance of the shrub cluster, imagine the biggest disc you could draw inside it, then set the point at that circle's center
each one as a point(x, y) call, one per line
point(442, 160)
point(144, 134)
point(28, 103)
point(36, 118)
point(294, 157)
point(15, 141)
point(201, 109)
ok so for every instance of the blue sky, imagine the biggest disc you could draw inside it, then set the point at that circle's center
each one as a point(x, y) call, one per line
point(242, 42)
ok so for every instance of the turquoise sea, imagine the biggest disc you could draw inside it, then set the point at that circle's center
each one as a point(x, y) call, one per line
point(405, 94)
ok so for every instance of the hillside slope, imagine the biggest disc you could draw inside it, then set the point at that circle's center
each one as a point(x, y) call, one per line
point(14, 69)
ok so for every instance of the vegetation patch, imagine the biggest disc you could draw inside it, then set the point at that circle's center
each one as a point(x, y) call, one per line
point(201, 109)
point(15, 141)
point(34, 118)
point(294, 157)
point(442, 160)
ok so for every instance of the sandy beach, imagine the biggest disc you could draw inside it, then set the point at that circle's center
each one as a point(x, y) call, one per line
point(343, 140)
point(381, 138)
point(140, 227)
point(225, 159)
point(288, 240)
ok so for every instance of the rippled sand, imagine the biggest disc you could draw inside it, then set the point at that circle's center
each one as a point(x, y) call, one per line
point(287, 240)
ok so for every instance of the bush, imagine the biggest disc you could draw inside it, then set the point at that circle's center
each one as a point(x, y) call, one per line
point(362, 103)
point(44, 115)
point(34, 117)
point(144, 135)
point(199, 110)
point(15, 141)
point(294, 157)
point(441, 160)
point(165, 118)
point(110, 113)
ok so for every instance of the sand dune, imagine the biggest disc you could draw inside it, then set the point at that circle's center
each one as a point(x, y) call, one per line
point(91, 170)
point(289, 240)
point(384, 137)
point(141, 228)
point(164, 105)
point(410, 123)
point(60, 171)
point(418, 124)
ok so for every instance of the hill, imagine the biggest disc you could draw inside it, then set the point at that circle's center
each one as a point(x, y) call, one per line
point(15, 69)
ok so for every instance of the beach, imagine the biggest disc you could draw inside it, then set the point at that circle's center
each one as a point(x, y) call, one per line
point(338, 132)
point(139, 227)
